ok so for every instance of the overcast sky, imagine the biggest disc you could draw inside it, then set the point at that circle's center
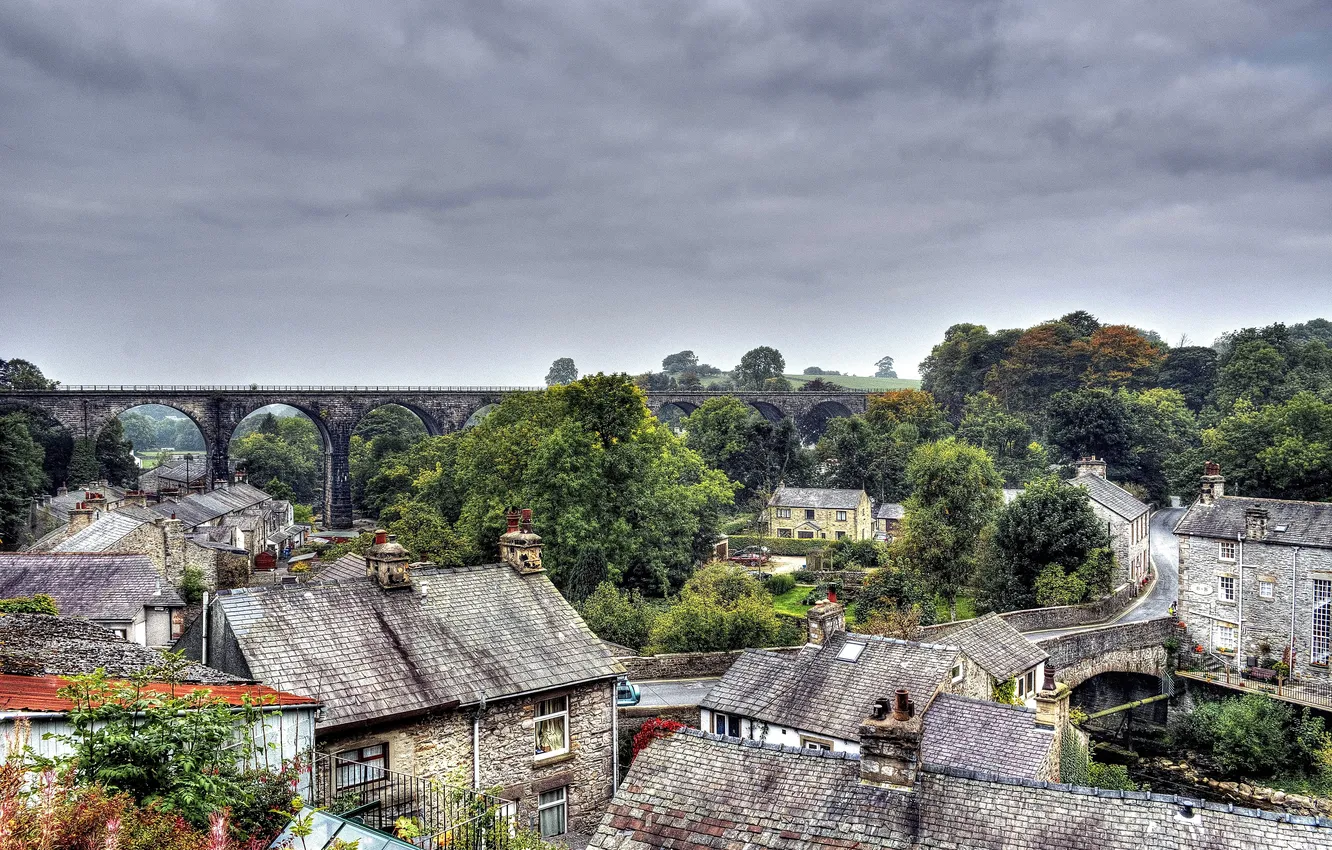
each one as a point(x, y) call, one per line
point(373, 191)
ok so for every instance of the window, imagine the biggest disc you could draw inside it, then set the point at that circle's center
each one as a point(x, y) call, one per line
point(956, 672)
point(1031, 681)
point(725, 724)
point(850, 651)
point(1224, 637)
point(1226, 589)
point(1228, 550)
point(783, 513)
point(552, 812)
point(1266, 588)
point(783, 532)
point(815, 744)
point(361, 765)
point(841, 534)
point(805, 535)
point(121, 633)
point(1322, 620)
point(841, 516)
point(552, 727)
point(177, 623)
point(809, 513)
point(1018, 684)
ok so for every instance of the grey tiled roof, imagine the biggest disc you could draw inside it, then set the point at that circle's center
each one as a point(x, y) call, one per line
point(34, 644)
point(350, 567)
point(92, 585)
point(1111, 495)
point(146, 514)
point(693, 790)
point(102, 535)
point(986, 736)
point(814, 691)
point(816, 497)
point(1307, 523)
point(889, 510)
point(993, 644)
point(199, 508)
point(458, 635)
point(60, 506)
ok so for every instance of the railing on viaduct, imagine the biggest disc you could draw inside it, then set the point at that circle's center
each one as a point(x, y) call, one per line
point(335, 411)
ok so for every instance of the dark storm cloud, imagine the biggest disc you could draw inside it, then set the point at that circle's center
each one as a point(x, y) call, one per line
point(394, 191)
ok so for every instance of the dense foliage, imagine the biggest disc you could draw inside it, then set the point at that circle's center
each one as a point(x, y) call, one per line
point(758, 454)
point(37, 604)
point(20, 477)
point(721, 607)
point(1255, 736)
point(286, 448)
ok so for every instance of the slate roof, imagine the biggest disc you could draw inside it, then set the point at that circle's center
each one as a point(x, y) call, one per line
point(1307, 523)
point(694, 790)
point(814, 691)
point(994, 644)
point(101, 535)
point(979, 735)
point(60, 506)
point(98, 586)
point(1111, 495)
point(199, 508)
point(816, 497)
point(350, 567)
point(458, 636)
point(35, 644)
point(889, 510)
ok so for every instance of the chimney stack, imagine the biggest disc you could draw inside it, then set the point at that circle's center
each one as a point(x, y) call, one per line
point(80, 517)
point(1052, 711)
point(137, 498)
point(96, 500)
point(1255, 522)
point(825, 621)
point(1090, 465)
point(520, 546)
point(386, 562)
point(890, 744)
point(1213, 484)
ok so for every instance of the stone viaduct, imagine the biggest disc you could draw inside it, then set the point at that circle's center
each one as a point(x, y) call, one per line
point(335, 411)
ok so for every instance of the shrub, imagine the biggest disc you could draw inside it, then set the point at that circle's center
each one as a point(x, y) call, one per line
point(619, 616)
point(1098, 572)
point(1055, 587)
point(38, 604)
point(654, 728)
point(803, 577)
point(1112, 776)
point(721, 607)
point(192, 585)
point(848, 554)
point(777, 545)
point(1253, 736)
point(779, 584)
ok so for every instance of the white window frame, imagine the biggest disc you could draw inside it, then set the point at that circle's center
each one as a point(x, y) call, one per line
point(1230, 546)
point(556, 798)
point(724, 720)
point(1018, 682)
point(1231, 631)
point(1266, 589)
point(560, 714)
point(841, 516)
point(1320, 627)
point(957, 673)
point(783, 513)
point(1222, 593)
point(808, 742)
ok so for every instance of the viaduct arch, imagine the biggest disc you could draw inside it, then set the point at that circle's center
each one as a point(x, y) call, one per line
point(217, 410)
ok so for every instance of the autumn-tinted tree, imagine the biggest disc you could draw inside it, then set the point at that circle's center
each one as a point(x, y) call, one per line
point(758, 367)
point(562, 371)
point(955, 493)
point(1118, 356)
point(1042, 362)
point(1191, 370)
point(21, 477)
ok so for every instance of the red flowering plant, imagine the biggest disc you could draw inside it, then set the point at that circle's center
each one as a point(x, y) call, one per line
point(656, 727)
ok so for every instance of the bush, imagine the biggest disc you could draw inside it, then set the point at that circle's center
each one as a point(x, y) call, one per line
point(1252, 736)
point(721, 608)
point(848, 554)
point(803, 577)
point(1112, 776)
point(779, 584)
point(897, 590)
point(777, 545)
point(654, 728)
point(1055, 587)
point(1098, 572)
point(192, 585)
point(619, 616)
point(38, 604)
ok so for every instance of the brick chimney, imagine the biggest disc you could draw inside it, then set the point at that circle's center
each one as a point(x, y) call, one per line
point(1090, 465)
point(1213, 485)
point(386, 562)
point(825, 620)
point(137, 498)
point(80, 517)
point(890, 744)
point(520, 547)
point(1255, 522)
point(95, 499)
point(1052, 702)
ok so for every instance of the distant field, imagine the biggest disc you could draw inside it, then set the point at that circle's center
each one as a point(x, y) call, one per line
point(851, 382)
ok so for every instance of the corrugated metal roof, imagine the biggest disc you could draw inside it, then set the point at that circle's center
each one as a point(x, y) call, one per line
point(40, 693)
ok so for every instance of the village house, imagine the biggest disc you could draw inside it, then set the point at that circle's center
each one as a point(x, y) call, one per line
point(818, 513)
point(1255, 578)
point(122, 592)
point(1125, 517)
point(39, 653)
point(482, 676)
point(816, 698)
point(888, 521)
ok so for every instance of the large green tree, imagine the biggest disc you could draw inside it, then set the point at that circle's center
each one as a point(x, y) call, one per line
point(957, 367)
point(21, 477)
point(1279, 451)
point(115, 456)
point(20, 374)
point(759, 367)
point(1191, 370)
point(293, 455)
point(382, 433)
point(1007, 437)
point(758, 454)
point(955, 494)
point(871, 451)
point(562, 371)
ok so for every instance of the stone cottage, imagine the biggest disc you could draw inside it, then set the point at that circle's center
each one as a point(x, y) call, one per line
point(1255, 578)
point(1125, 516)
point(820, 513)
point(482, 676)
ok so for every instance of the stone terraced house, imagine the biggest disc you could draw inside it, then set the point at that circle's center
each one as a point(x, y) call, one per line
point(1125, 516)
point(1255, 578)
point(482, 676)
point(819, 513)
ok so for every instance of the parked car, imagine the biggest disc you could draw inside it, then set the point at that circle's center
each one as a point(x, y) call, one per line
point(626, 692)
point(752, 557)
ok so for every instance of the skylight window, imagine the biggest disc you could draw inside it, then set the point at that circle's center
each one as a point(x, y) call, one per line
point(1281, 528)
point(850, 652)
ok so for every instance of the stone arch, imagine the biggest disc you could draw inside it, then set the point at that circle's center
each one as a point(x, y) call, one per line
point(672, 413)
point(240, 414)
point(201, 427)
point(428, 421)
point(768, 410)
point(815, 422)
point(474, 418)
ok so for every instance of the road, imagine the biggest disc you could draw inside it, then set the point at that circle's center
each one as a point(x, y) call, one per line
point(674, 692)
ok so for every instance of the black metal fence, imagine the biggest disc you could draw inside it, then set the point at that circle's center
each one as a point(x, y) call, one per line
point(426, 811)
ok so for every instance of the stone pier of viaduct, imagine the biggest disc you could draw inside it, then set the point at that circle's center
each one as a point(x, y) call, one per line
point(335, 411)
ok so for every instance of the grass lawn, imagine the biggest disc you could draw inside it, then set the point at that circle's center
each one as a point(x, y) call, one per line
point(792, 604)
point(851, 382)
point(966, 608)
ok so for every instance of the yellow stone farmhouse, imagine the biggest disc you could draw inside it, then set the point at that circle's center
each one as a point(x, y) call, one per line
point(817, 513)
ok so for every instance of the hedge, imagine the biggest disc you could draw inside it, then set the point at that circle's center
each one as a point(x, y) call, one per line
point(777, 545)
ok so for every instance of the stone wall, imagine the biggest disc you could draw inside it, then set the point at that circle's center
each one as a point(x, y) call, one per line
point(1126, 647)
point(441, 745)
point(1067, 616)
point(685, 665)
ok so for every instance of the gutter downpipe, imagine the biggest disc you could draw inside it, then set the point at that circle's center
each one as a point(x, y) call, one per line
point(1291, 660)
point(476, 744)
point(615, 740)
point(203, 643)
point(1239, 629)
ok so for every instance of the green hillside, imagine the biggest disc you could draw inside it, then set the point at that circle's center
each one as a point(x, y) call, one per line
point(851, 382)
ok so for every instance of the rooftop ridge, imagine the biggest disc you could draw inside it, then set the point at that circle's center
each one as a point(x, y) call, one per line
point(1022, 709)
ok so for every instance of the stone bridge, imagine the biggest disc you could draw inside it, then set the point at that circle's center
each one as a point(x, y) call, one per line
point(335, 411)
point(1137, 647)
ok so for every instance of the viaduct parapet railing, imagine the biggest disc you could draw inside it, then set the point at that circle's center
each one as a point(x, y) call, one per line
point(217, 410)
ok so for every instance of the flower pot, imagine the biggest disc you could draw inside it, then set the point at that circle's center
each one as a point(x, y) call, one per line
point(832, 596)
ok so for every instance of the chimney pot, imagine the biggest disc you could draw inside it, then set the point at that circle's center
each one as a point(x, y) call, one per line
point(1213, 486)
point(512, 517)
point(381, 536)
point(903, 708)
point(1049, 683)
